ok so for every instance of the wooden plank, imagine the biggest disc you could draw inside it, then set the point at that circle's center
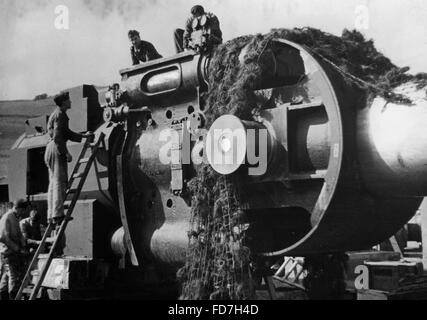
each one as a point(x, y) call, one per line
point(270, 287)
point(395, 245)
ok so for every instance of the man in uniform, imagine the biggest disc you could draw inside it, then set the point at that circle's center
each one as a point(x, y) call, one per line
point(12, 250)
point(208, 30)
point(31, 229)
point(57, 156)
point(141, 51)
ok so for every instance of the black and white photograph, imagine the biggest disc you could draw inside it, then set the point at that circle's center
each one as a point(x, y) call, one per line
point(213, 154)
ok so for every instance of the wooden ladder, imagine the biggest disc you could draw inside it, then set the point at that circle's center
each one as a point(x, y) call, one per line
point(70, 200)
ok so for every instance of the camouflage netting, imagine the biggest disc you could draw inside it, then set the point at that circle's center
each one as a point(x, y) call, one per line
point(217, 265)
point(217, 262)
point(356, 59)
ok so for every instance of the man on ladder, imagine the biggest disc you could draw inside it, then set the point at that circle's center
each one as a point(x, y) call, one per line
point(60, 187)
point(57, 156)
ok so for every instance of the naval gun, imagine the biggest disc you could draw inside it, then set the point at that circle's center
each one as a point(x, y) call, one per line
point(340, 175)
point(342, 172)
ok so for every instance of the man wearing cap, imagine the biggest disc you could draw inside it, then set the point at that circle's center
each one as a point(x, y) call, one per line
point(12, 250)
point(57, 156)
point(141, 51)
point(202, 31)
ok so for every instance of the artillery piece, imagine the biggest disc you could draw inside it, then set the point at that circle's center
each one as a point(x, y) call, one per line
point(342, 173)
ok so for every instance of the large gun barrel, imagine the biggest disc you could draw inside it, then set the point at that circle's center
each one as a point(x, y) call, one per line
point(321, 168)
point(340, 175)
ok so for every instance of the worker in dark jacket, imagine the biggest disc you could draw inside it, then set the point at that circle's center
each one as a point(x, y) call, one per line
point(141, 51)
point(202, 31)
point(12, 250)
point(57, 156)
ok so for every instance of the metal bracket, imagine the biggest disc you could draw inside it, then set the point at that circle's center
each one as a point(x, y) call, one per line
point(122, 209)
point(177, 151)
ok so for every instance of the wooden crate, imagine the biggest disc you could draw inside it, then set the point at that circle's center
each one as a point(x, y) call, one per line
point(72, 273)
point(360, 257)
point(388, 275)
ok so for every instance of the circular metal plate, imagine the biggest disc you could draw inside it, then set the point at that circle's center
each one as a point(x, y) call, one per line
point(226, 144)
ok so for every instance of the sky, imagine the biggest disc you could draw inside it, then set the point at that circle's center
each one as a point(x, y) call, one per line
point(36, 57)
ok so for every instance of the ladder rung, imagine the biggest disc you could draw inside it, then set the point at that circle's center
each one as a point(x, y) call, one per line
point(68, 218)
point(67, 204)
point(84, 160)
point(72, 191)
point(28, 289)
point(103, 174)
point(78, 175)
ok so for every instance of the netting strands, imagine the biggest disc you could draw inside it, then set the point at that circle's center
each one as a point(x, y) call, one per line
point(217, 264)
point(357, 60)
